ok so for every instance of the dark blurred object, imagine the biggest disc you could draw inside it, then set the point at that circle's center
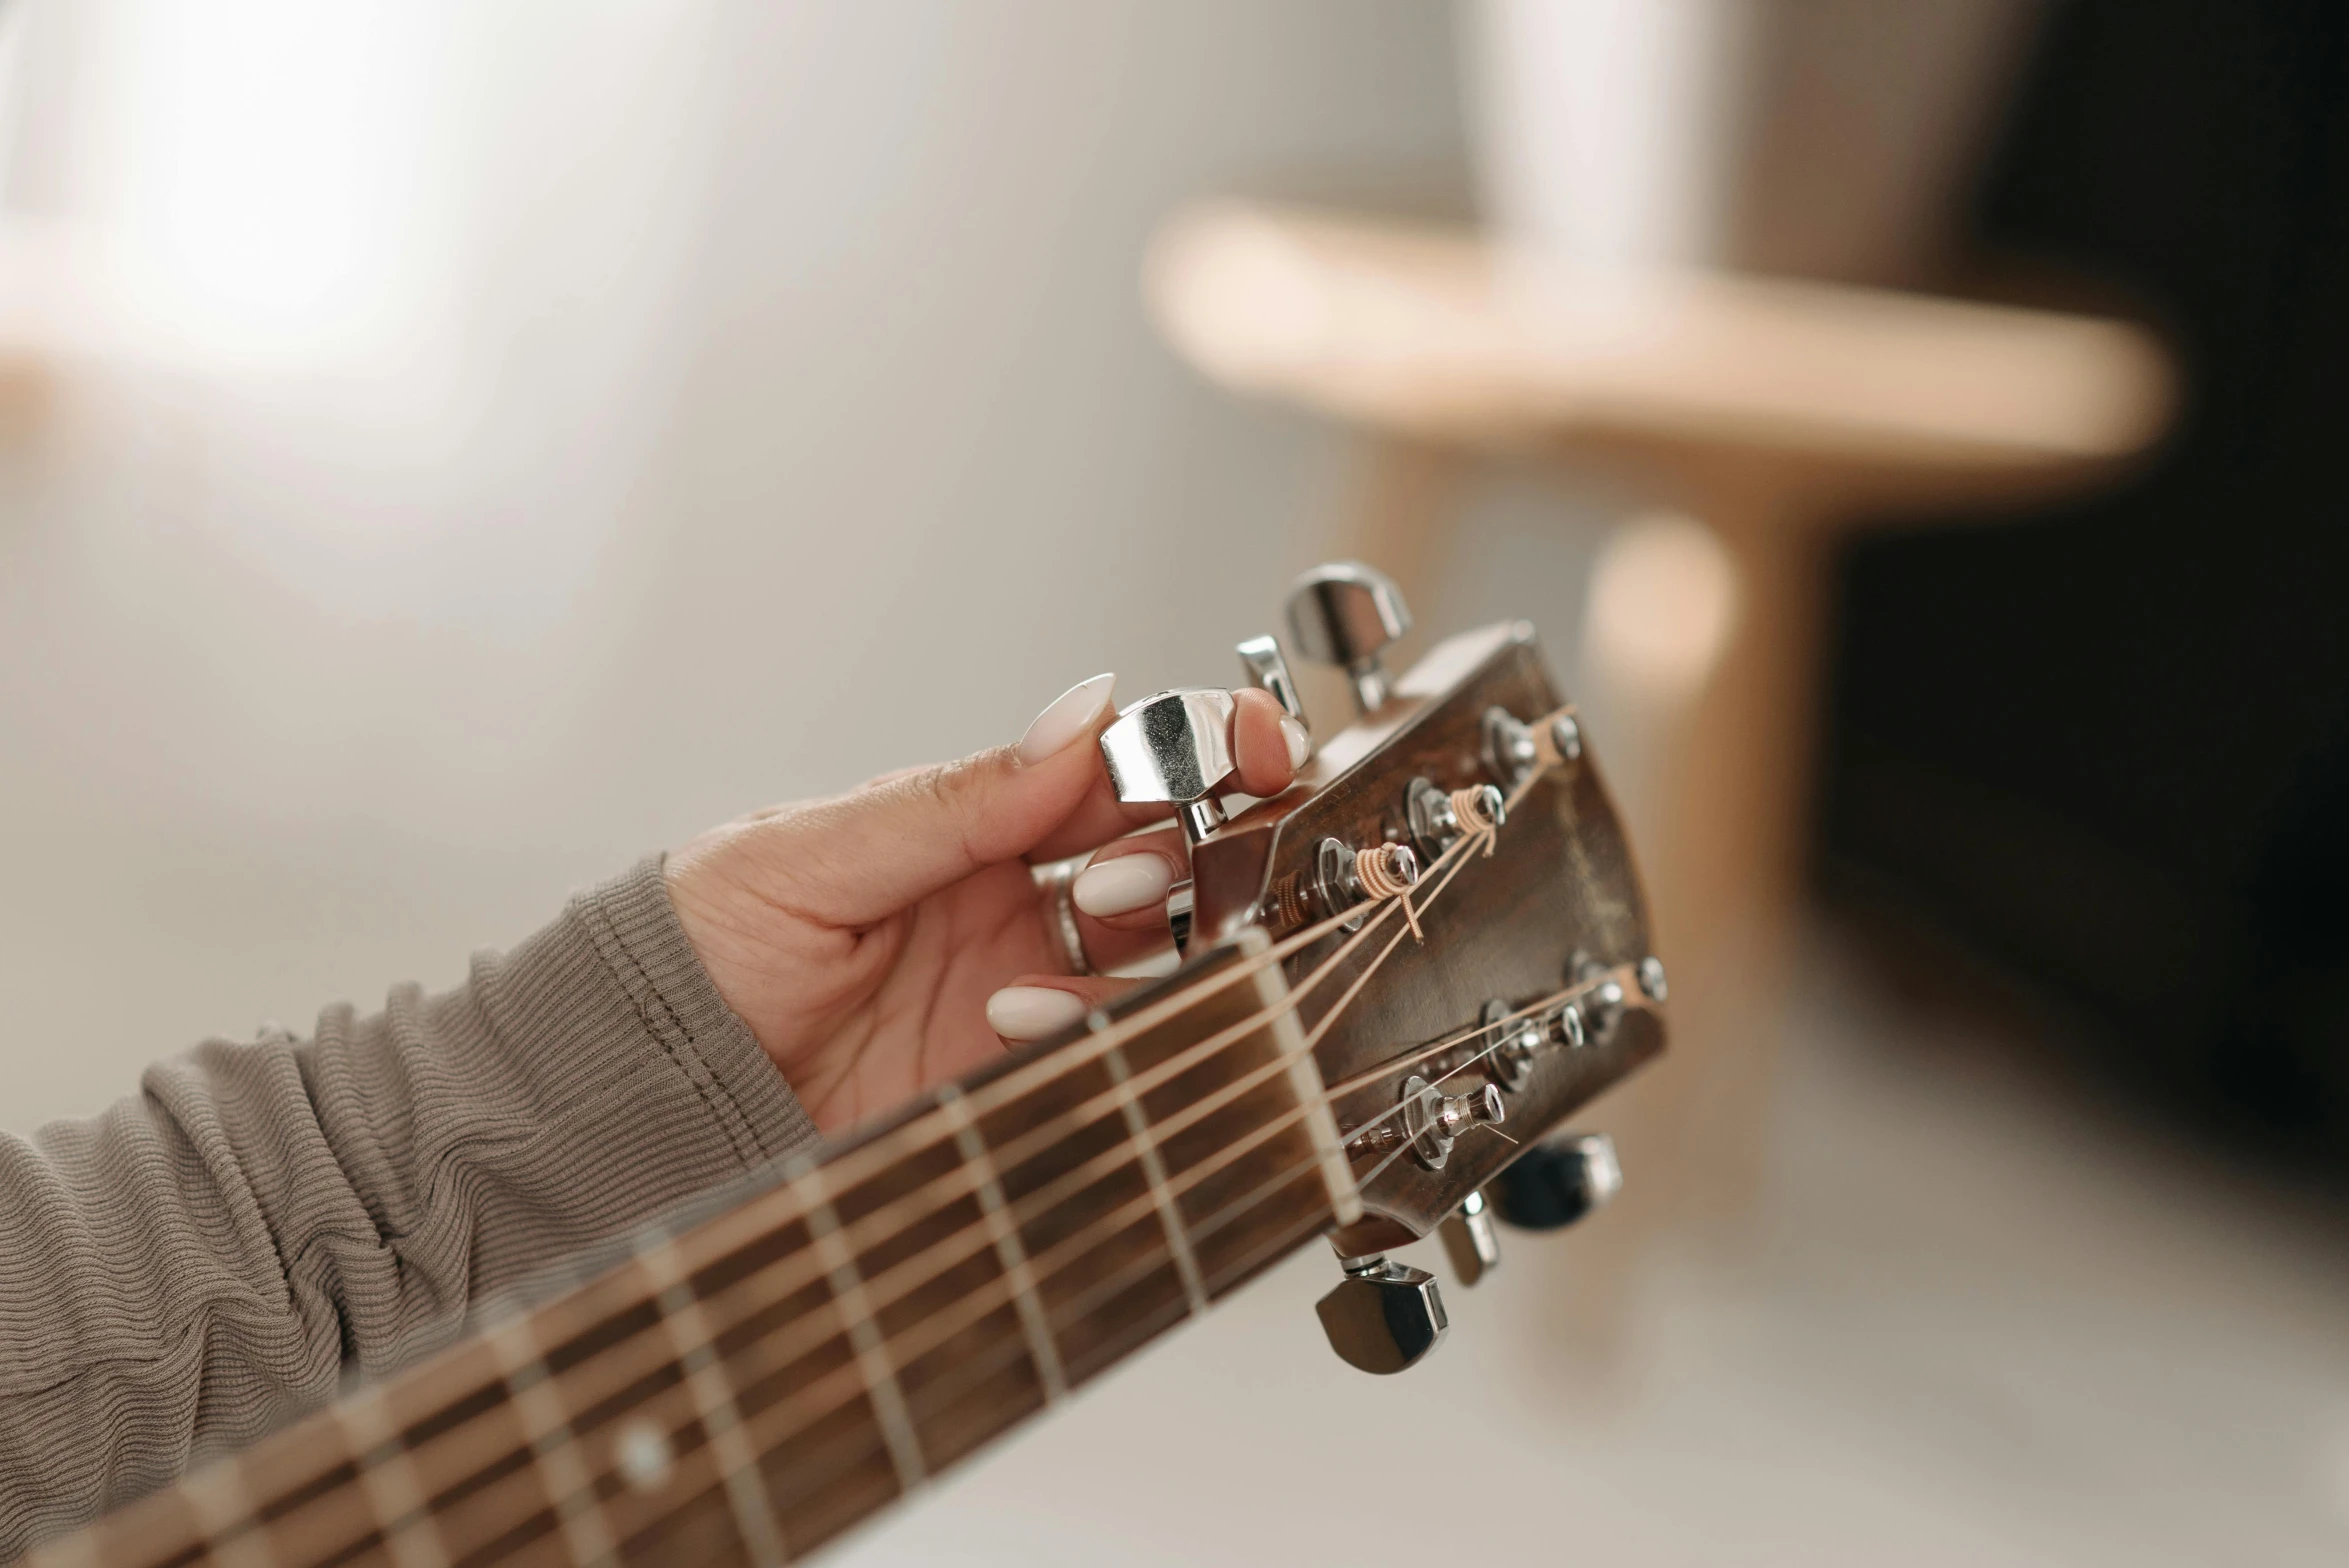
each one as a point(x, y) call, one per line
point(2112, 745)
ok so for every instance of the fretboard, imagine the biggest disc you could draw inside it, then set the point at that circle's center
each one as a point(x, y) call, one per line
point(747, 1388)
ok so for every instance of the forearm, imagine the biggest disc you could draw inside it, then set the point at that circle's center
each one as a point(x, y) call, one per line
point(211, 1257)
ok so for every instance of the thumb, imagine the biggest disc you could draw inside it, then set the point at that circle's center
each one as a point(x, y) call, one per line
point(858, 858)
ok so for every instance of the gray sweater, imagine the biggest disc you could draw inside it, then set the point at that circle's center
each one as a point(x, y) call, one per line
point(215, 1256)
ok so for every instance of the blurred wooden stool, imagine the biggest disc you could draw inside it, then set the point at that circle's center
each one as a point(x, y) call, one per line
point(1775, 412)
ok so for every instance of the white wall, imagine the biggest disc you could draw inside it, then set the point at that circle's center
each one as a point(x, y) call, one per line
point(500, 441)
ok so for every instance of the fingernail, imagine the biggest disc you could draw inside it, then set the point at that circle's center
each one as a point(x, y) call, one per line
point(1071, 714)
point(1030, 1012)
point(1300, 743)
point(1122, 885)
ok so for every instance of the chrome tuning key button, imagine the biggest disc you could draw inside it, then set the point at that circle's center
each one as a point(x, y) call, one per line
point(1384, 1316)
point(1470, 1240)
point(1558, 1181)
point(1651, 980)
point(1345, 613)
point(1176, 747)
point(1566, 736)
point(1260, 659)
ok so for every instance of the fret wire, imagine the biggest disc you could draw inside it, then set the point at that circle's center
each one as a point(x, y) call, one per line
point(1328, 1097)
point(975, 1369)
point(968, 1240)
point(225, 1516)
point(867, 1160)
point(864, 1334)
point(1124, 1028)
point(1009, 1251)
point(382, 1473)
point(1107, 1289)
point(1060, 1124)
point(979, 1303)
point(983, 1302)
point(407, 1532)
point(713, 1397)
point(410, 1535)
point(546, 1419)
point(974, 1310)
point(1170, 1215)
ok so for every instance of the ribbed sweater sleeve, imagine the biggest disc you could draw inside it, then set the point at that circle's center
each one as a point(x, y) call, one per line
point(212, 1257)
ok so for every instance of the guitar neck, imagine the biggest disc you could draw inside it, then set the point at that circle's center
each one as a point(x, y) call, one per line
point(749, 1388)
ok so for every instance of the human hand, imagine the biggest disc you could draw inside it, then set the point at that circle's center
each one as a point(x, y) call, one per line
point(891, 938)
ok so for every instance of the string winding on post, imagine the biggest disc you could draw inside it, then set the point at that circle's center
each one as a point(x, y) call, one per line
point(1387, 871)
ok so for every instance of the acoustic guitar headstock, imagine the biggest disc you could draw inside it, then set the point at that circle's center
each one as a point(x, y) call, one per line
point(1459, 919)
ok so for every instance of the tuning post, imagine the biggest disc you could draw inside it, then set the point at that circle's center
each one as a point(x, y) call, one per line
point(1603, 998)
point(1345, 613)
point(1345, 877)
point(1510, 748)
point(1470, 1240)
point(1433, 1121)
point(1521, 1039)
point(1438, 818)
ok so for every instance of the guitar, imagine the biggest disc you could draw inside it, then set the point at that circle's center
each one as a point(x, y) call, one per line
point(1397, 979)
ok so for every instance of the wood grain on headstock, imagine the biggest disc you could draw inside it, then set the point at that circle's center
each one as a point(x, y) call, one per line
point(1560, 883)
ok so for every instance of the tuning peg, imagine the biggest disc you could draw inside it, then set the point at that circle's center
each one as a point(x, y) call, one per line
point(1558, 1181)
point(1470, 1240)
point(1383, 1316)
point(1261, 658)
point(1345, 613)
point(1175, 746)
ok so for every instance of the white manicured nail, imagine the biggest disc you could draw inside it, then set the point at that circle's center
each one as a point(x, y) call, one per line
point(1300, 743)
point(1030, 1012)
point(1122, 885)
point(1071, 714)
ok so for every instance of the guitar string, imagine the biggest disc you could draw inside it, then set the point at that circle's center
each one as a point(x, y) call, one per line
point(792, 1416)
point(778, 1350)
point(1321, 972)
point(790, 1410)
point(1015, 1343)
point(1214, 984)
point(870, 1159)
point(1011, 1346)
point(1169, 1069)
point(1008, 1348)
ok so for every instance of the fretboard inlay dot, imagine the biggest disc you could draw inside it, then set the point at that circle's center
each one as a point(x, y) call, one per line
point(645, 1456)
